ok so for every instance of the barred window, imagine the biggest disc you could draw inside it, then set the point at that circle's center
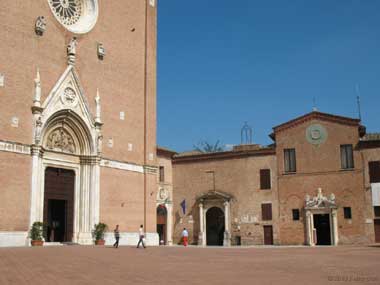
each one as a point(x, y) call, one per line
point(296, 214)
point(347, 213)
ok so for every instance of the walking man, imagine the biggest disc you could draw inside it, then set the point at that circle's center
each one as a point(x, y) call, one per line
point(117, 236)
point(185, 236)
point(141, 235)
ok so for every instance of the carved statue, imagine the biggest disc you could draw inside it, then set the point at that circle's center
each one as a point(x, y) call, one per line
point(38, 130)
point(101, 51)
point(100, 142)
point(71, 47)
point(40, 25)
point(71, 50)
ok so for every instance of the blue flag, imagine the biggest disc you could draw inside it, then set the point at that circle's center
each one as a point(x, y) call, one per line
point(183, 206)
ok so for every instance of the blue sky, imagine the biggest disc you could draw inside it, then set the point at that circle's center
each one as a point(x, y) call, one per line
point(221, 63)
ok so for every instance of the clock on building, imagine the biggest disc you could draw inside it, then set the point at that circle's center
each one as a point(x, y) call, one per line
point(316, 134)
point(77, 16)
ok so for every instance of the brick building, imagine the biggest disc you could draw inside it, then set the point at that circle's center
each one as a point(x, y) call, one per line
point(77, 118)
point(317, 184)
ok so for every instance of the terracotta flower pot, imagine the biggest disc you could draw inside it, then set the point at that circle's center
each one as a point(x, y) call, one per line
point(37, 242)
point(100, 242)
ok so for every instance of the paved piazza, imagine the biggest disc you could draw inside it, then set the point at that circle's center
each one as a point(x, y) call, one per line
point(178, 265)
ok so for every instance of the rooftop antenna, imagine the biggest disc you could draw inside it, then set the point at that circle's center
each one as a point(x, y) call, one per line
point(246, 134)
point(314, 105)
point(358, 101)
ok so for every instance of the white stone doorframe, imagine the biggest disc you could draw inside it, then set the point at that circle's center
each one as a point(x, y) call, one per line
point(83, 159)
point(86, 192)
point(202, 236)
point(321, 205)
point(169, 220)
point(310, 231)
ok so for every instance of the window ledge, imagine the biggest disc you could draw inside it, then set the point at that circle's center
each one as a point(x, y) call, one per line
point(289, 173)
point(347, 169)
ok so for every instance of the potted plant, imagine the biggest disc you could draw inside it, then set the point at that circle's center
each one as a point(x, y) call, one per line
point(36, 234)
point(98, 233)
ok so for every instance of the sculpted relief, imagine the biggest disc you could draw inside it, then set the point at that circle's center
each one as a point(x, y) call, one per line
point(60, 140)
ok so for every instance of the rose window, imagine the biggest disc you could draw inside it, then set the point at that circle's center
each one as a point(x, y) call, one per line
point(77, 16)
point(68, 11)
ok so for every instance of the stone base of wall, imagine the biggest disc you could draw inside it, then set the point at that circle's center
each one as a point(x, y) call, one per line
point(16, 239)
point(11, 239)
point(151, 239)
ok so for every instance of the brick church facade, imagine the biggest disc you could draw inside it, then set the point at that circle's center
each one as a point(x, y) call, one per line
point(78, 118)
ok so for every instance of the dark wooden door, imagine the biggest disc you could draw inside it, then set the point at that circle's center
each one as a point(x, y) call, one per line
point(268, 235)
point(59, 204)
point(322, 226)
point(377, 230)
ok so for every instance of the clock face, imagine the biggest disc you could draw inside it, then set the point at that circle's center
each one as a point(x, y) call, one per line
point(68, 11)
point(316, 134)
point(77, 16)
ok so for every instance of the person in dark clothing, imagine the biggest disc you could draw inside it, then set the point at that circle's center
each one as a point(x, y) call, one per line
point(117, 236)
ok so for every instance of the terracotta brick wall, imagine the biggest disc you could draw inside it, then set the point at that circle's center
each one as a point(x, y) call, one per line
point(239, 177)
point(320, 167)
point(15, 170)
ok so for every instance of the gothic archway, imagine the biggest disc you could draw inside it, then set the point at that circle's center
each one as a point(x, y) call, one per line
point(67, 137)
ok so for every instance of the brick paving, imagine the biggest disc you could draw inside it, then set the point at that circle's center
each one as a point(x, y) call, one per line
point(192, 265)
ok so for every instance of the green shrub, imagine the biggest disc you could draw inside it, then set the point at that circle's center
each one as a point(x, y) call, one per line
point(99, 230)
point(36, 231)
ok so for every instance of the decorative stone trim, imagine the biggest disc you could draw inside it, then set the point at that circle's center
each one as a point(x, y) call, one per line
point(14, 147)
point(89, 160)
point(121, 165)
point(149, 169)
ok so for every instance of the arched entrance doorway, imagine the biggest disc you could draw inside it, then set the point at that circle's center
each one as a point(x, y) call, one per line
point(162, 214)
point(67, 140)
point(215, 226)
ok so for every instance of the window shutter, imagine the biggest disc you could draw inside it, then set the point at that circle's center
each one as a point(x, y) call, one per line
point(266, 212)
point(265, 182)
point(290, 160)
point(374, 171)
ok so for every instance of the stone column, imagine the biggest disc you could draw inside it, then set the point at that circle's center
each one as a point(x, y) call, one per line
point(169, 224)
point(227, 240)
point(83, 193)
point(36, 208)
point(201, 239)
point(334, 215)
point(309, 229)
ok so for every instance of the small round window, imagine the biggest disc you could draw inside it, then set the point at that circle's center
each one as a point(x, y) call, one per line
point(78, 16)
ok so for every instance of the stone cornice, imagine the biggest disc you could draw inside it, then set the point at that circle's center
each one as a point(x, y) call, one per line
point(316, 116)
point(15, 147)
point(224, 155)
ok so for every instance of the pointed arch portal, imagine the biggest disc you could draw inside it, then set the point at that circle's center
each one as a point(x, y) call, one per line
point(66, 163)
